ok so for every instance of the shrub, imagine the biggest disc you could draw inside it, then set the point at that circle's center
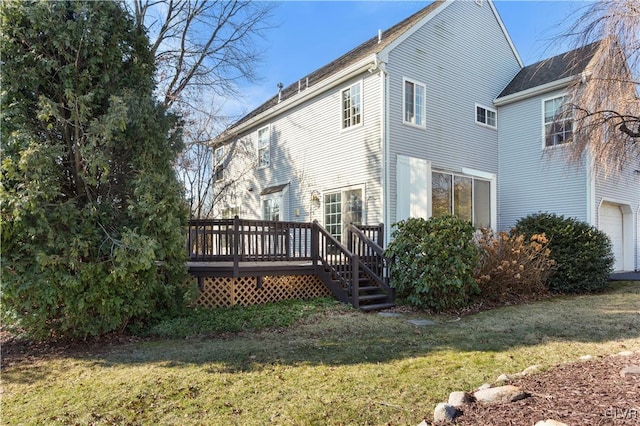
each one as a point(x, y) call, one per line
point(511, 267)
point(582, 253)
point(434, 262)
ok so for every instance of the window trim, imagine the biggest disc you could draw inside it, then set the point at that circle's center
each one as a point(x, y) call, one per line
point(480, 123)
point(342, 190)
point(283, 197)
point(342, 111)
point(268, 147)
point(423, 125)
point(544, 123)
point(218, 161)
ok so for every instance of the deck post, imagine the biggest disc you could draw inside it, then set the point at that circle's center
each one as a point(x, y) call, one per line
point(236, 246)
point(355, 283)
point(315, 243)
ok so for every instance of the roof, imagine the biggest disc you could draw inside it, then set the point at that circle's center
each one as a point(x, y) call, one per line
point(368, 48)
point(565, 65)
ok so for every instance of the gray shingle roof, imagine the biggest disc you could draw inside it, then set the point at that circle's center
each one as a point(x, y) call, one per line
point(367, 48)
point(556, 68)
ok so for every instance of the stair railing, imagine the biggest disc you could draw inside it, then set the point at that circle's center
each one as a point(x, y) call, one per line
point(372, 259)
point(335, 264)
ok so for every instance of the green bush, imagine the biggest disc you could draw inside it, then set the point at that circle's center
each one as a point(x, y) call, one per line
point(434, 262)
point(582, 253)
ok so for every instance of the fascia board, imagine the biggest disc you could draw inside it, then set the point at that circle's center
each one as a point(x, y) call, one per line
point(534, 91)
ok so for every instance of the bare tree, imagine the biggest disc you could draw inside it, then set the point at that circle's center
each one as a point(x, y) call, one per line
point(203, 48)
point(604, 101)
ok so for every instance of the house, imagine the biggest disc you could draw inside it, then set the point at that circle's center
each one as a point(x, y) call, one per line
point(435, 115)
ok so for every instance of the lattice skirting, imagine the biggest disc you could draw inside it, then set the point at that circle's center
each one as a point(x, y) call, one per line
point(244, 291)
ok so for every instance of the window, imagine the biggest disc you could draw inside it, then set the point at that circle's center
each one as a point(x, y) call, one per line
point(342, 208)
point(271, 209)
point(230, 212)
point(264, 148)
point(218, 164)
point(414, 103)
point(467, 197)
point(486, 116)
point(558, 125)
point(352, 106)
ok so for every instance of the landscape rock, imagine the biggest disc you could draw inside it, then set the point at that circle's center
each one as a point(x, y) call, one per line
point(503, 378)
point(423, 423)
point(500, 394)
point(586, 358)
point(445, 413)
point(550, 422)
point(421, 322)
point(485, 386)
point(459, 398)
point(625, 353)
point(531, 370)
point(632, 370)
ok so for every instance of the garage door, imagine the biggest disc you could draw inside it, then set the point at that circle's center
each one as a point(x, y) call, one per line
point(611, 223)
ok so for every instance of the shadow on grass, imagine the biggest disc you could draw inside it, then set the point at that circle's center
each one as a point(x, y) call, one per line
point(350, 337)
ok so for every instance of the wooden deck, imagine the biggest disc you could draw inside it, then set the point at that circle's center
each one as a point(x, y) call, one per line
point(250, 250)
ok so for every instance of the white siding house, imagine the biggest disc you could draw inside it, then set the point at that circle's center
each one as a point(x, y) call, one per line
point(434, 115)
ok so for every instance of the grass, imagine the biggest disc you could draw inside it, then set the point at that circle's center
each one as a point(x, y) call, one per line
point(334, 365)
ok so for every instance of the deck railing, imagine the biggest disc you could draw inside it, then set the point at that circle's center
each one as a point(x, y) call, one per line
point(213, 240)
point(340, 266)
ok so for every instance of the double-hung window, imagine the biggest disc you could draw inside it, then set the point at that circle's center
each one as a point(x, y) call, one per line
point(352, 106)
point(558, 123)
point(264, 146)
point(414, 103)
point(486, 116)
point(218, 164)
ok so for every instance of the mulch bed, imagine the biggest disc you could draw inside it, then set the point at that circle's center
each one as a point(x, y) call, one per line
point(581, 393)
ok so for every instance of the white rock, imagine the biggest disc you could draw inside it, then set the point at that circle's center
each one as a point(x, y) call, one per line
point(625, 353)
point(423, 423)
point(459, 398)
point(586, 358)
point(501, 394)
point(550, 422)
point(632, 370)
point(445, 413)
point(485, 386)
point(531, 370)
point(503, 378)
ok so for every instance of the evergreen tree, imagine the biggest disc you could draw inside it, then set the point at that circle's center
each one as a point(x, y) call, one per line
point(92, 213)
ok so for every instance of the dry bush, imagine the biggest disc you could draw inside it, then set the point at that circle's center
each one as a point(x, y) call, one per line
point(512, 268)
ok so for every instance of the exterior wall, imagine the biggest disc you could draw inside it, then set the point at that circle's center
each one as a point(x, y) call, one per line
point(462, 57)
point(532, 178)
point(311, 152)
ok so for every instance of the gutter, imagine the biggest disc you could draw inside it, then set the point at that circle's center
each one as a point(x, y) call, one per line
point(324, 85)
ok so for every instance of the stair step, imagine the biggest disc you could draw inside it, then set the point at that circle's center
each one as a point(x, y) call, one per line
point(369, 288)
point(372, 297)
point(377, 307)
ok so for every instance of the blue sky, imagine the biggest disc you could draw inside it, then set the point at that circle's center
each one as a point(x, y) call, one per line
point(310, 34)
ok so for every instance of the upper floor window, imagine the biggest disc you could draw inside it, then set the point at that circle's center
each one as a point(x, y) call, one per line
point(558, 123)
point(486, 116)
point(264, 146)
point(414, 103)
point(352, 106)
point(218, 164)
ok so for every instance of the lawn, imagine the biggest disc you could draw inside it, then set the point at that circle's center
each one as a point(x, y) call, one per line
point(333, 365)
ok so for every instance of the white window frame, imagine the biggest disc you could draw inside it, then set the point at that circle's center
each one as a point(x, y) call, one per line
point(485, 123)
point(218, 161)
point(282, 198)
point(343, 190)
point(544, 123)
point(422, 104)
point(474, 175)
point(262, 145)
point(343, 118)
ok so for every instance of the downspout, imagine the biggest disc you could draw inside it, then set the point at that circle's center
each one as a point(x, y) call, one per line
point(384, 149)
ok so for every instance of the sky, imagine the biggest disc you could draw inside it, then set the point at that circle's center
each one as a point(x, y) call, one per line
point(309, 34)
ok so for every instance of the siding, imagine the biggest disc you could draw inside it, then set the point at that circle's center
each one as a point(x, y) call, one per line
point(311, 151)
point(532, 179)
point(463, 58)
